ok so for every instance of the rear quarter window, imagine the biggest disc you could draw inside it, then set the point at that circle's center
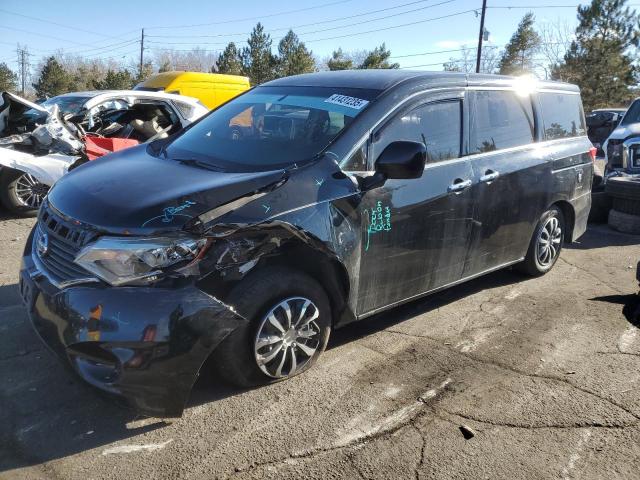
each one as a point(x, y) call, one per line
point(562, 115)
point(500, 119)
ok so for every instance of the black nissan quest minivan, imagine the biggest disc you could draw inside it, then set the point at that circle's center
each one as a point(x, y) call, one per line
point(305, 204)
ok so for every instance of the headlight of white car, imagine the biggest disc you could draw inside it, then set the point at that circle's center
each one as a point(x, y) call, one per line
point(123, 260)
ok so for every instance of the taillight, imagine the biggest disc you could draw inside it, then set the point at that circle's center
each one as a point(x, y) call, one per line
point(149, 333)
point(592, 153)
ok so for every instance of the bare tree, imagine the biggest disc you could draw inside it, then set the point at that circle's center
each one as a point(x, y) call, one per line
point(195, 60)
point(555, 38)
point(466, 61)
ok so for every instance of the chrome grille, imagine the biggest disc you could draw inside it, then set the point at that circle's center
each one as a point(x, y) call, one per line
point(65, 240)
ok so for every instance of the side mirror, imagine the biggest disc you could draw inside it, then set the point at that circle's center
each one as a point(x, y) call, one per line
point(402, 160)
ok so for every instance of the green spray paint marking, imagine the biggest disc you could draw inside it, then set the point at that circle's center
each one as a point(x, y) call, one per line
point(379, 221)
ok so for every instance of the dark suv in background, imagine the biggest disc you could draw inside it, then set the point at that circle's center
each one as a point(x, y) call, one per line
point(305, 204)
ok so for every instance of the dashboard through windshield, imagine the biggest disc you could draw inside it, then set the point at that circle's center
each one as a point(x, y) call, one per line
point(271, 127)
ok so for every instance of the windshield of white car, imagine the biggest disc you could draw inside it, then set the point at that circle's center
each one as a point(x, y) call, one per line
point(66, 104)
point(270, 128)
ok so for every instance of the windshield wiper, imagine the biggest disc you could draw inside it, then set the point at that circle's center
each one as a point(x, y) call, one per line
point(198, 163)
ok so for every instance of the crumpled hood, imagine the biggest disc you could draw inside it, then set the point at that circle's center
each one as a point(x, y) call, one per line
point(134, 191)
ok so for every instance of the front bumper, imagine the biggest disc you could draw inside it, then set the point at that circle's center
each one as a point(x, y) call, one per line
point(143, 344)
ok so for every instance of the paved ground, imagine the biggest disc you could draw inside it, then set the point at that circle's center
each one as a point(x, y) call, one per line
point(545, 372)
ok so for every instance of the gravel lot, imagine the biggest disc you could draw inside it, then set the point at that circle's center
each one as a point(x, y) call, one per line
point(545, 373)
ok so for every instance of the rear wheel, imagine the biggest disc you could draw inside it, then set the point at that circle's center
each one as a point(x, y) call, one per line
point(20, 192)
point(546, 244)
point(289, 321)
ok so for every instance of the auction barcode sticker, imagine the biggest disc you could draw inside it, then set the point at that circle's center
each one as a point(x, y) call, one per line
point(347, 101)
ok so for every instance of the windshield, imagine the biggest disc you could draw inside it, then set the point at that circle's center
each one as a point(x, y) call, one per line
point(633, 114)
point(271, 127)
point(66, 104)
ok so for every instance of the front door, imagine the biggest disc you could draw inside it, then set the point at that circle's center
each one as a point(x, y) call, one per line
point(416, 232)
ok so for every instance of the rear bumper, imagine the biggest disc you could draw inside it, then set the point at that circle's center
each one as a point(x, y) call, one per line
point(143, 344)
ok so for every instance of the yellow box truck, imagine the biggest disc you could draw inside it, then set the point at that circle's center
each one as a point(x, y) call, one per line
point(212, 89)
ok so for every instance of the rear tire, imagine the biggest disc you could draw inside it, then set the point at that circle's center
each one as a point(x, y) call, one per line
point(546, 244)
point(268, 350)
point(20, 193)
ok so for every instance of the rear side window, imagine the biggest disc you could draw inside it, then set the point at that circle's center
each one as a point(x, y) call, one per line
point(501, 119)
point(438, 125)
point(562, 115)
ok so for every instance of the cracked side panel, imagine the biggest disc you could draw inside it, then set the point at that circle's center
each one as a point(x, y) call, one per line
point(321, 237)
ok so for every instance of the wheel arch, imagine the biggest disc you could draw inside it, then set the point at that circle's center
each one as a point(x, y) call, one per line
point(569, 214)
point(296, 254)
point(327, 271)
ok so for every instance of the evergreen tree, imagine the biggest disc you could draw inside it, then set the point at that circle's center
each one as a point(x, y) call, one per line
point(518, 56)
point(53, 80)
point(339, 61)
point(8, 79)
point(258, 61)
point(378, 58)
point(229, 61)
point(599, 59)
point(115, 80)
point(294, 58)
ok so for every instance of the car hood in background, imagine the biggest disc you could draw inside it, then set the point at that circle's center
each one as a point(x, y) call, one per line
point(626, 131)
point(135, 192)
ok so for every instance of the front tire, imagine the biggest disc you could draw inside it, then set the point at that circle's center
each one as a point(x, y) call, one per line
point(546, 244)
point(21, 193)
point(289, 325)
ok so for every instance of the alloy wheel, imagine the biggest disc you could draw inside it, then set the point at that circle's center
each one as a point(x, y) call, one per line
point(288, 337)
point(29, 191)
point(549, 242)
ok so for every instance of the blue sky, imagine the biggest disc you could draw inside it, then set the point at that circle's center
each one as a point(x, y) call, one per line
point(112, 28)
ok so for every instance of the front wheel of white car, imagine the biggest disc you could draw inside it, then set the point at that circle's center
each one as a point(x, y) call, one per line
point(21, 193)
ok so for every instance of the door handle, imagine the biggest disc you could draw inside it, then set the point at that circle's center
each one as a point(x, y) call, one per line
point(458, 185)
point(489, 175)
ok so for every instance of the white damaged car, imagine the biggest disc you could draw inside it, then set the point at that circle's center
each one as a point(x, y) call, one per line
point(39, 143)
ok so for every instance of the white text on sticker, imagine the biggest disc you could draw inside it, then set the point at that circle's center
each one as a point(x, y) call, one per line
point(347, 101)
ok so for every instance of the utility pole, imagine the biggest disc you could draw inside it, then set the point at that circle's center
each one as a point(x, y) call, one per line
point(22, 60)
point(141, 53)
point(481, 35)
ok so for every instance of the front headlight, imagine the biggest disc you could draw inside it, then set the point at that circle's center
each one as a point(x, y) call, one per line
point(634, 156)
point(123, 260)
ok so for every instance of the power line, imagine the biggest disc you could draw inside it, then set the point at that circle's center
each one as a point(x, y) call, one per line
point(426, 20)
point(75, 28)
point(509, 7)
point(462, 49)
point(326, 29)
point(336, 19)
point(93, 55)
point(41, 35)
point(237, 20)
